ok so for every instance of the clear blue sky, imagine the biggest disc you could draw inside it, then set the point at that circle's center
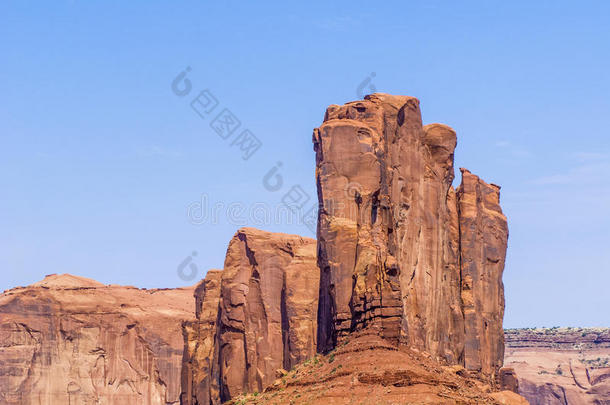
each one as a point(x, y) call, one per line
point(100, 160)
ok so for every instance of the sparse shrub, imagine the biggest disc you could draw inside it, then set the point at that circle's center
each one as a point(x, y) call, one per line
point(558, 370)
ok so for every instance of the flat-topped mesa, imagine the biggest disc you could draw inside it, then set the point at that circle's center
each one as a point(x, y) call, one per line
point(389, 234)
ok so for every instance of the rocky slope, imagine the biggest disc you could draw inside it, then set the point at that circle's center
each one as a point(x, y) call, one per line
point(400, 250)
point(71, 340)
point(366, 369)
point(561, 366)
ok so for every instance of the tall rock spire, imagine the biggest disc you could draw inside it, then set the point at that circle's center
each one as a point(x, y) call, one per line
point(389, 234)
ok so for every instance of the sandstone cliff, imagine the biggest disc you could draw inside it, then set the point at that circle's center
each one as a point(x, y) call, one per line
point(400, 251)
point(561, 366)
point(71, 340)
point(261, 318)
point(199, 378)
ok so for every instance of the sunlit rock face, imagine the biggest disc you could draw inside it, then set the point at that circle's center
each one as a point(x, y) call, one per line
point(255, 317)
point(399, 250)
point(71, 340)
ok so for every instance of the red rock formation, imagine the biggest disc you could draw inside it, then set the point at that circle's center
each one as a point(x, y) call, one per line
point(561, 366)
point(71, 340)
point(257, 316)
point(390, 234)
point(199, 380)
point(483, 241)
point(268, 307)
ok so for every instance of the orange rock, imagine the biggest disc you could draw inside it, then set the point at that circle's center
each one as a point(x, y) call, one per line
point(199, 381)
point(509, 398)
point(399, 250)
point(366, 369)
point(483, 242)
point(268, 309)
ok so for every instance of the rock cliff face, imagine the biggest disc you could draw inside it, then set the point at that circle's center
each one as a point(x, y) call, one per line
point(259, 317)
point(400, 251)
point(483, 241)
point(71, 340)
point(199, 378)
point(561, 366)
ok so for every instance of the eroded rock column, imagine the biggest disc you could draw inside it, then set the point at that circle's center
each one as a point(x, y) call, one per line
point(399, 250)
point(484, 238)
point(388, 228)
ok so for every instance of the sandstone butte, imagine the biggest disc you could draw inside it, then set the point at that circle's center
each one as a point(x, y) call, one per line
point(400, 300)
point(561, 366)
point(401, 295)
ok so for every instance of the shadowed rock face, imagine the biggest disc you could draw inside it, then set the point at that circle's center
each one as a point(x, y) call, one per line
point(71, 340)
point(399, 250)
point(257, 316)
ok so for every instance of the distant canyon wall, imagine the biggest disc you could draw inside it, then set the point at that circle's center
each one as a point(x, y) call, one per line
point(561, 366)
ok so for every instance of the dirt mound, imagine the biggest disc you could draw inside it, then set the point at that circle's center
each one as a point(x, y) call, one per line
point(366, 369)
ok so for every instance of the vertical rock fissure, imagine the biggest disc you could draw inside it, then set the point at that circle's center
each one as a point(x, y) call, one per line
point(285, 328)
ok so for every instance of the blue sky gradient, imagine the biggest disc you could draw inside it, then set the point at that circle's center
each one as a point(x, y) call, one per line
point(100, 160)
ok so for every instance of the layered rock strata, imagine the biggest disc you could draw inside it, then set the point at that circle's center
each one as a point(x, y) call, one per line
point(399, 250)
point(71, 340)
point(561, 366)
